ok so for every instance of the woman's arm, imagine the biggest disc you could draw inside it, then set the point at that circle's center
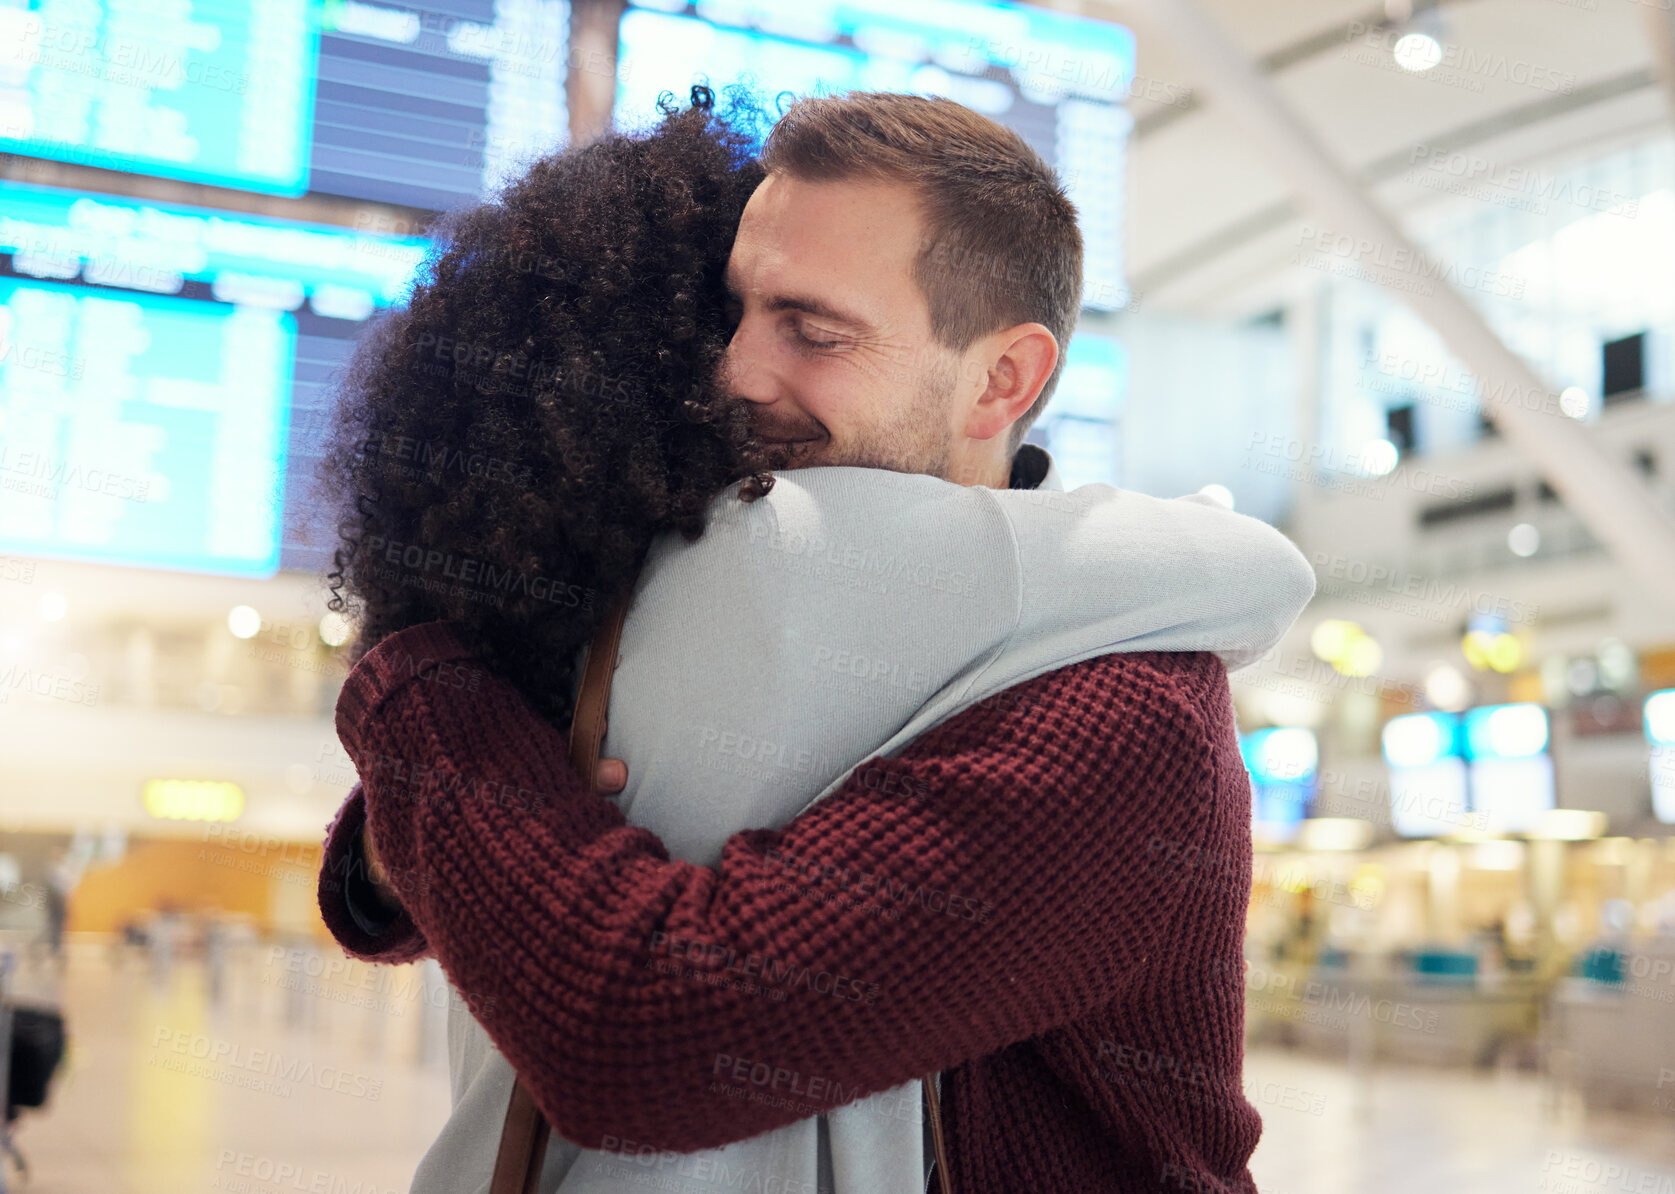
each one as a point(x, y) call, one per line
point(993, 882)
point(1065, 575)
point(1102, 566)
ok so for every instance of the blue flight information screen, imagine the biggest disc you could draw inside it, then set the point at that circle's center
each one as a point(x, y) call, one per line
point(427, 107)
point(1058, 81)
point(141, 429)
point(217, 91)
point(165, 376)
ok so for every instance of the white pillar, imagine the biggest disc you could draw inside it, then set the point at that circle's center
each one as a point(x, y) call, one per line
point(1660, 36)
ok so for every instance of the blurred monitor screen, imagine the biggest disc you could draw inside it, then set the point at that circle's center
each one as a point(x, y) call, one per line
point(1079, 426)
point(1283, 762)
point(1420, 739)
point(1094, 381)
point(142, 429)
point(1510, 794)
point(1506, 731)
point(426, 108)
point(1659, 711)
point(1059, 81)
point(220, 93)
point(1431, 800)
point(1277, 810)
point(163, 372)
point(435, 107)
point(1663, 784)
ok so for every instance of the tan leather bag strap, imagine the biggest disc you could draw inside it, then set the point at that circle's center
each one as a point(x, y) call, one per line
point(934, 1106)
point(523, 1139)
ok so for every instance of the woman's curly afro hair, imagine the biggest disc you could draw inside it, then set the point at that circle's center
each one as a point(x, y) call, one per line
point(507, 444)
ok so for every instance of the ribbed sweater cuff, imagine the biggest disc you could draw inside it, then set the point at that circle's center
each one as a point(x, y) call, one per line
point(342, 867)
point(383, 669)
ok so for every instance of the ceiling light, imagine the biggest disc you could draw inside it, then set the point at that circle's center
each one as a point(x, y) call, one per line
point(1447, 688)
point(1331, 638)
point(1568, 824)
point(1418, 52)
point(1575, 402)
point(1219, 494)
point(1363, 658)
point(1334, 833)
point(334, 629)
point(1379, 457)
point(243, 621)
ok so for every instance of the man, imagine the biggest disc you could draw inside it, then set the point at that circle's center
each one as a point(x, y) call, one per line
point(1087, 1014)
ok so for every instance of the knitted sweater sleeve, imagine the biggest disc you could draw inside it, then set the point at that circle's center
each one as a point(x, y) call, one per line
point(346, 891)
point(983, 887)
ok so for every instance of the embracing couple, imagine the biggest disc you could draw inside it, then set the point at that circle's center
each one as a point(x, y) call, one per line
point(923, 827)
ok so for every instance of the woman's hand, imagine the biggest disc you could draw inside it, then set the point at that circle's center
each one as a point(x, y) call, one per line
point(376, 871)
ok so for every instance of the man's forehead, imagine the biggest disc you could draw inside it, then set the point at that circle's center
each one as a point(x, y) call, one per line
point(834, 240)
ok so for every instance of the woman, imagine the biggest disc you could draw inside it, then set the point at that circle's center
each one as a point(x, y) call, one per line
point(566, 342)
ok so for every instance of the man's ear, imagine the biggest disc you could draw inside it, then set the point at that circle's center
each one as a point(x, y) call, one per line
point(1020, 360)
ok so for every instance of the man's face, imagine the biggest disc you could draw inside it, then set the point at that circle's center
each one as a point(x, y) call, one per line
point(833, 342)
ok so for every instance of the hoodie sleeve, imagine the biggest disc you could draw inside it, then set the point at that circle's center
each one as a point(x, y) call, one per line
point(1103, 567)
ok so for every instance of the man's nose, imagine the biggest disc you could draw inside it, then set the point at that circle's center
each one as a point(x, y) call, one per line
point(746, 371)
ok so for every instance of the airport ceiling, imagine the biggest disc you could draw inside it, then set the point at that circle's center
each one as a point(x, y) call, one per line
point(1212, 225)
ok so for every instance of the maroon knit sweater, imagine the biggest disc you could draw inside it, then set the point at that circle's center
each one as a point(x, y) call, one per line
point(1042, 897)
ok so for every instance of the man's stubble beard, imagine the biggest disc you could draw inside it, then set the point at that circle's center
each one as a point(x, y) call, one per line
point(915, 439)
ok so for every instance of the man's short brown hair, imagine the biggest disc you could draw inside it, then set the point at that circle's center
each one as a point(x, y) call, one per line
point(1001, 242)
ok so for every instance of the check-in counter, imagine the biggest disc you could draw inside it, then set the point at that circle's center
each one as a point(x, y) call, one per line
point(1614, 1042)
point(1397, 1019)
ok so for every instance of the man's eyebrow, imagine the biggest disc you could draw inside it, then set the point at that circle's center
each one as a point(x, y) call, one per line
point(805, 303)
point(817, 308)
